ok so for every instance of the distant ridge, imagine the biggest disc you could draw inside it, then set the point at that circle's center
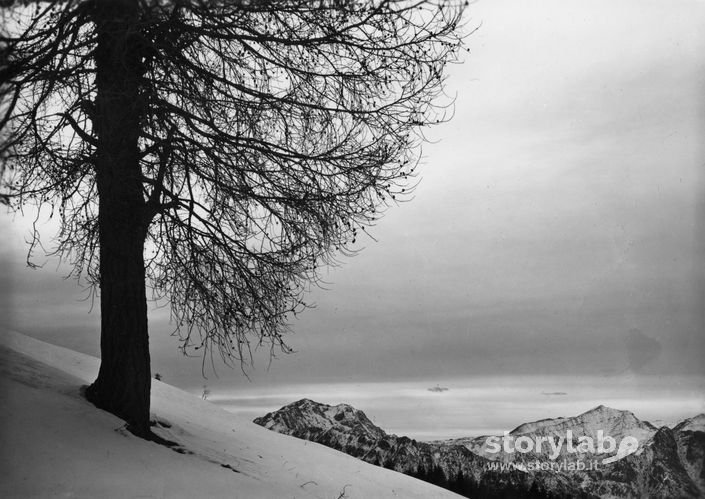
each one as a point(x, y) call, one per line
point(696, 423)
point(668, 463)
point(605, 417)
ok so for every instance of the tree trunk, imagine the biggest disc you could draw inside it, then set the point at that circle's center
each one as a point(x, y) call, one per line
point(124, 380)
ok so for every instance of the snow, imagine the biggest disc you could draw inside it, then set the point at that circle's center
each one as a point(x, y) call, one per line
point(56, 444)
point(613, 422)
point(696, 423)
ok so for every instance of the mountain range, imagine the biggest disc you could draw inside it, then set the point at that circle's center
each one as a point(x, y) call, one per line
point(645, 461)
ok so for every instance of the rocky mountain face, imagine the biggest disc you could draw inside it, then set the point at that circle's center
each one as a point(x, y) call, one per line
point(657, 463)
point(347, 429)
point(690, 441)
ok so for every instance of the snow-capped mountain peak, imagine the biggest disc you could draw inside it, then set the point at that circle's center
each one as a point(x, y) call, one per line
point(305, 415)
point(667, 463)
point(613, 422)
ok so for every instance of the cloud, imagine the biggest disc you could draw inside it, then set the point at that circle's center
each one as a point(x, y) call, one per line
point(438, 389)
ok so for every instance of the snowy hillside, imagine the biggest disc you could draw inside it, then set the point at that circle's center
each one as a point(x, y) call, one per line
point(56, 444)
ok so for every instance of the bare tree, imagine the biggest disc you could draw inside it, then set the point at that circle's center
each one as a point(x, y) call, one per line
point(214, 152)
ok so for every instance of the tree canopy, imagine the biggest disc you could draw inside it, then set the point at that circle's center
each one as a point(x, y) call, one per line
point(238, 146)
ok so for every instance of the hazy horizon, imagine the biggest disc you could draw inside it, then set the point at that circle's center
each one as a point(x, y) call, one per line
point(482, 406)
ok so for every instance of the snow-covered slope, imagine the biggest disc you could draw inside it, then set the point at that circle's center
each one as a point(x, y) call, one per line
point(307, 416)
point(614, 422)
point(53, 443)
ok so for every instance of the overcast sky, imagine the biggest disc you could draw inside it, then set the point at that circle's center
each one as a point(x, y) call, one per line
point(557, 229)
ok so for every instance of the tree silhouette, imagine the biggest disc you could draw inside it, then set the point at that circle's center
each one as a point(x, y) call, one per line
point(216, 153)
